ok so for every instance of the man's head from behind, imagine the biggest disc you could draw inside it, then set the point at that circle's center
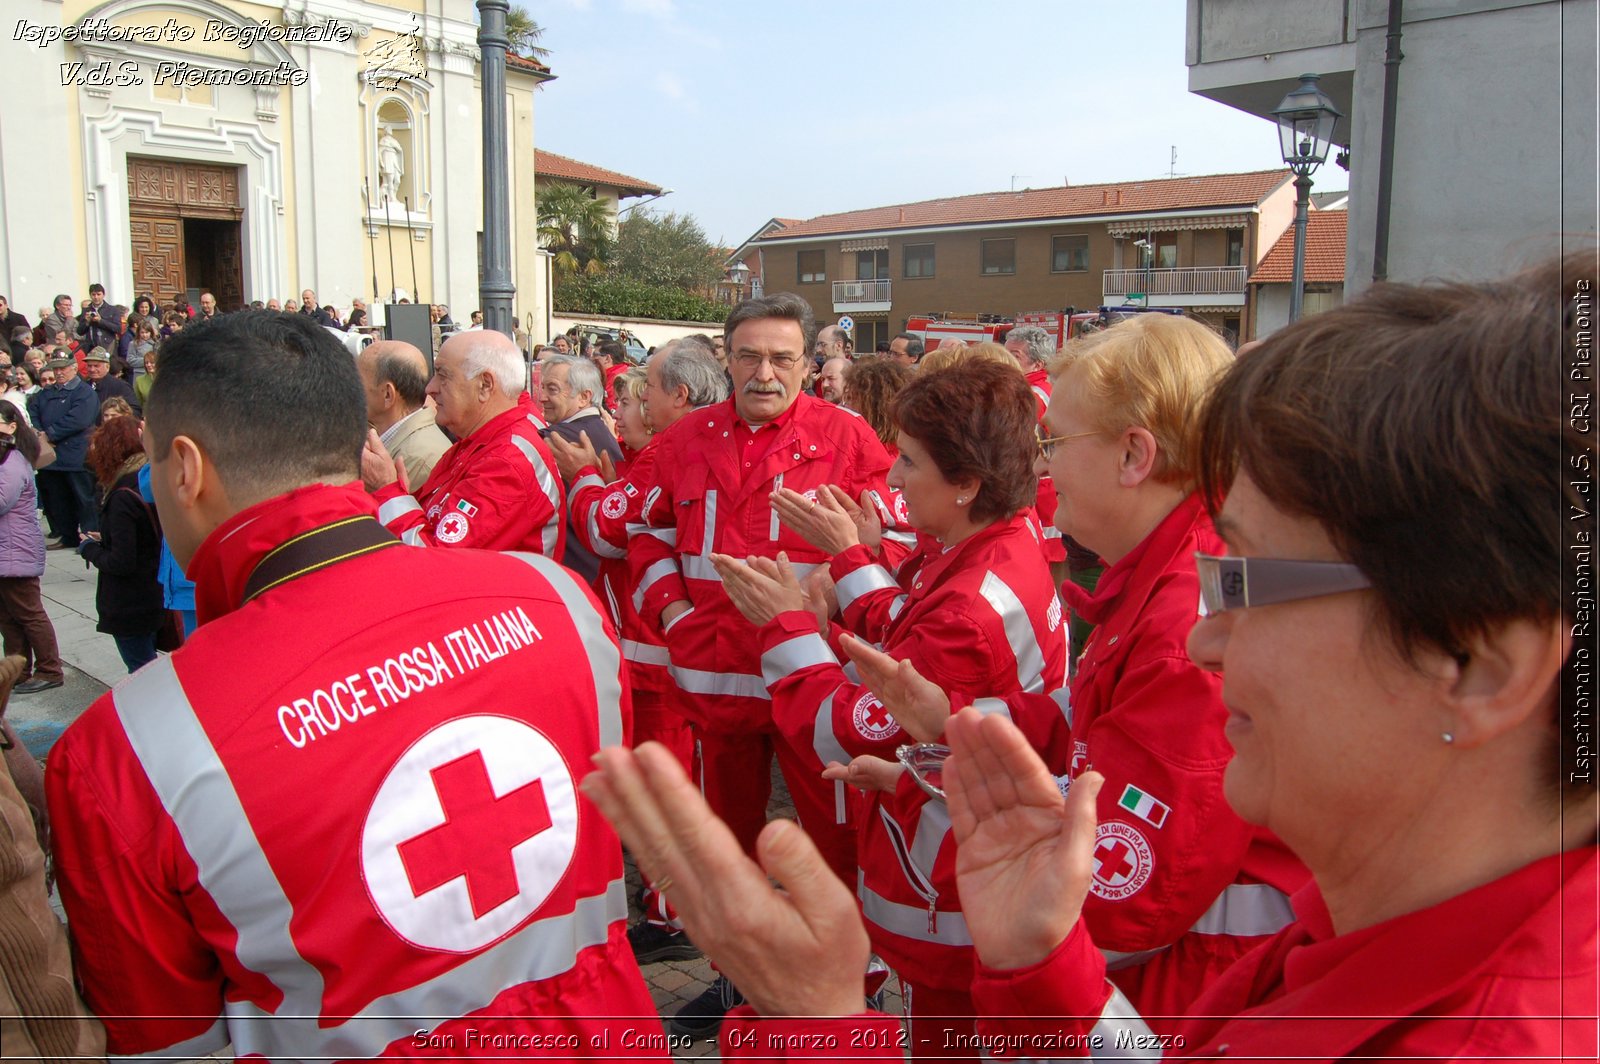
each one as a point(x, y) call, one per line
point(477, 376)
point(248, 407)
point(680, 376)
point(395, 376)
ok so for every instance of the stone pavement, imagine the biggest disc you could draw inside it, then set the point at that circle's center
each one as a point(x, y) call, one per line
point(93, 665)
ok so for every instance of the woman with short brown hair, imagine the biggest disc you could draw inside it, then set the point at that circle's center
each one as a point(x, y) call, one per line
point(127, 549)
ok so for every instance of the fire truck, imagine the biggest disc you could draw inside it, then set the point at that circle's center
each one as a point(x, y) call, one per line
point(1064, 325)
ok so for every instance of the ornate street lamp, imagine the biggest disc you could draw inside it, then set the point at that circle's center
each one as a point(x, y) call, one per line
point(1306, 121)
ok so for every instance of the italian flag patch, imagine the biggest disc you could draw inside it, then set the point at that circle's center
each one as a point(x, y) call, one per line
point(1146, 807)
point(466, 507)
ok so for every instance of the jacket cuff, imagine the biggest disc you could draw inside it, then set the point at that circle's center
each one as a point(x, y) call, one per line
point(848, 561)
point(1064, 993)
point(389, 491)
point(786, 626)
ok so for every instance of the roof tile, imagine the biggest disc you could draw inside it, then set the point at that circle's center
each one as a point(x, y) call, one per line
point(1123, 197)
point(549, 164)
point(1325, 245)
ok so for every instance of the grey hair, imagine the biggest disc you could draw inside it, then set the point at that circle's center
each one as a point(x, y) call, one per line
point(1041, 345)
point(689, 363)
point(409, 379)
point(785, 306)
point(582, 376)
point(493, 352)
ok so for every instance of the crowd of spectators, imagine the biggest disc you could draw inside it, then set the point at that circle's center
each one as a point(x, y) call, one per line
point(950, 595)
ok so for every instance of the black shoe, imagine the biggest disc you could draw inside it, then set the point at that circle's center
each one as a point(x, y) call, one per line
point(38, 683)
point(701, 1017)
point(652, 942)
point(60, 545)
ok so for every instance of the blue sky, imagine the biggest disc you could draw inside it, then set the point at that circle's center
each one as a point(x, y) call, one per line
point(784, 108)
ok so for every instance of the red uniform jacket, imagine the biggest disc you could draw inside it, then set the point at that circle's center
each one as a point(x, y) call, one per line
point(1503, 972)
point(1182, 886)
point(1055, 549)
point(496, 489)
point(983, 616)
point(600, 514)
point(711, 492)
point(353, 798)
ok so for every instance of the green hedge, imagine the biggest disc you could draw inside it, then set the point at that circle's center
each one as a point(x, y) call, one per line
point(621, 297)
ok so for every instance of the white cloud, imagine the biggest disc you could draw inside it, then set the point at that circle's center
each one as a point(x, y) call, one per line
point(669, 85)
point(658, 8)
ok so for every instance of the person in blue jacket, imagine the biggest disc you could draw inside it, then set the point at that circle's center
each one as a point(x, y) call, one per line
point(177, 590)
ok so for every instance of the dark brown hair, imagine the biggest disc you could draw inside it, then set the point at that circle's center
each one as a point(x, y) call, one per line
point(870, 387)
point(113, 443)
point(976, 420)
point(1423, 428)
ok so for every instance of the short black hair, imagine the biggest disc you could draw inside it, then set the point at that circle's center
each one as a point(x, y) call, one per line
point(272, 398)
point(614, 351)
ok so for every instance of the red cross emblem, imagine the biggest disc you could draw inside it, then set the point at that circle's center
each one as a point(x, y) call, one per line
point(470, 832)
point(1122, 861)
point(477, 836)
point(873, 721)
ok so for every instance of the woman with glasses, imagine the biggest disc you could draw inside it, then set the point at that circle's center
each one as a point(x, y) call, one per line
point(973, 608)
point(1404, 622)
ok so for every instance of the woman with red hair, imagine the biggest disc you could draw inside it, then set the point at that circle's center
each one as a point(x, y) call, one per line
point(127, 549)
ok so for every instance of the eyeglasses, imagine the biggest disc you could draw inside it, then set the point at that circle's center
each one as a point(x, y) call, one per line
point(1047, 444)
point(1235, 583)
point(925, 762)
point(782, 363)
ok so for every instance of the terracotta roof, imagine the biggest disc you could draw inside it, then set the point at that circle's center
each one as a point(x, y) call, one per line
point(549, 164)
point(1325, 236)
point(525, 63)
point(1123, 197)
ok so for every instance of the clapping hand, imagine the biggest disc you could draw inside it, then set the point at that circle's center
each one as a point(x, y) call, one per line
point(917, 703)
point(795, 951)
point(1023, 852)
point(760, 588)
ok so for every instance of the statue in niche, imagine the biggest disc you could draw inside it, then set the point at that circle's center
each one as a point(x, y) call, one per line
point(391, 166)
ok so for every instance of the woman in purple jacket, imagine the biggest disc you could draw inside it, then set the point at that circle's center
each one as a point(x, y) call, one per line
point(25, 626)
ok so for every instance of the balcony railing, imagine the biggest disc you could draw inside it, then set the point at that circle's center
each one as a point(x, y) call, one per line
point(856, 293)
point(1184, 281)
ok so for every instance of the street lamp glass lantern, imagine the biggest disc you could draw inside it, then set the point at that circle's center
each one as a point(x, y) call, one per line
point(1307, 119)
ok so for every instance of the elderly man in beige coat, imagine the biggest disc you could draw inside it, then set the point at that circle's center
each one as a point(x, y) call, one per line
point(395, 375)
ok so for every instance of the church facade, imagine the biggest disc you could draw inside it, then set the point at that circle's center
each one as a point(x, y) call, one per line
point(255, 150)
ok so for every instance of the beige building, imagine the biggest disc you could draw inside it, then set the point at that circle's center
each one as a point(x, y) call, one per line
point(254, 149)
point(1185, 242)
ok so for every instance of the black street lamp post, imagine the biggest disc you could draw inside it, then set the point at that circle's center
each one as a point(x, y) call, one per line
point(496, 288)
point(1306, 122)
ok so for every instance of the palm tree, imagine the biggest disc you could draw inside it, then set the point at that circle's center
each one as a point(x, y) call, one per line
point(524, 33)
point(575, 227)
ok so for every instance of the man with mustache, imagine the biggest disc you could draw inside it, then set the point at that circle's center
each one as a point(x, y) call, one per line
point(713, 479)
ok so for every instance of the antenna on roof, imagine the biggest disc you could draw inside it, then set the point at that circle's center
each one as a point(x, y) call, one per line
point(1014, 180)
point(1172, 165)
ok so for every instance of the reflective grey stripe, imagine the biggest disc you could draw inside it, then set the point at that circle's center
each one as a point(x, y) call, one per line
point(772, 528)
point(188, 776)
point(792, 655)
point(1120, 1018)
point(588, 480)
point(670, 624)
point(1062, 697)
point(699, 567)
point(398, 506)
point(412, 537)
point(708, 543)
point(987, 706)
point(737, 684)
point(605, 659)
point(660, 570)
point(862, 581)
point(645, 653)
point(1246, 909)
point(1019, 632)
point(1052, 532)
point(826, 744)
point(895, 607)
point(669, 536)
point(547, 484)
point(598, 544)
point(1116, 961)
point(204, 1044)
point(908, 539)
point(933, 824)
point(1043, 395)
point(911, 921)
point(542, 950)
